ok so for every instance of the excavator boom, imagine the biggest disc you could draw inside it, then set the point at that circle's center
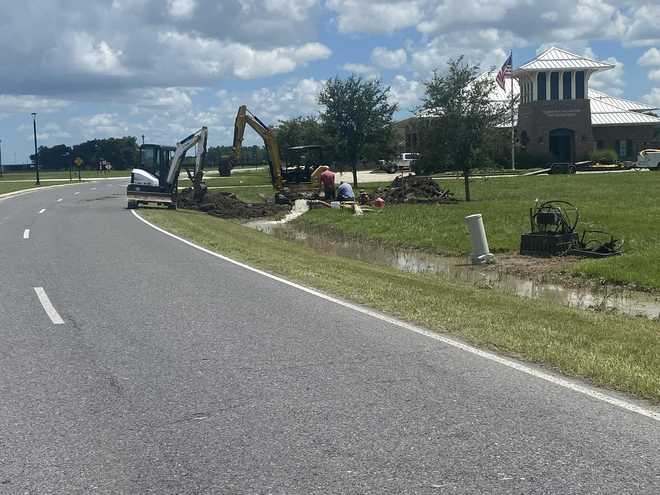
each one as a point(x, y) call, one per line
point(245, 117)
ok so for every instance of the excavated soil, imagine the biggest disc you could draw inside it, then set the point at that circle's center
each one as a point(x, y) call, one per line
point(227, 205)
point(414, 189)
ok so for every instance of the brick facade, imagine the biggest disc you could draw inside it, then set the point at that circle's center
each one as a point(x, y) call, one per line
point(627, 141)
point(536, 120)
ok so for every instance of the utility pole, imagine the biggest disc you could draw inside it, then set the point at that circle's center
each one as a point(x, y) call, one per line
point(142, 139)
point(1, 173)
point(36, 151)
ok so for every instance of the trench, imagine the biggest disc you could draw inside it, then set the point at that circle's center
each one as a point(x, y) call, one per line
point(495, 277)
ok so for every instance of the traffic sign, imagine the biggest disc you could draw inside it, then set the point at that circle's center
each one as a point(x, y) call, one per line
point(78, 161)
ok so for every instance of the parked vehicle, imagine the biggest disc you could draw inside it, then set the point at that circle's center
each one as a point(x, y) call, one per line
point(649, 159)
point(407, 160)
point(404, 162)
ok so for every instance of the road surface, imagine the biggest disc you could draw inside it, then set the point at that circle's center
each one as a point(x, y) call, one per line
point(173, 372)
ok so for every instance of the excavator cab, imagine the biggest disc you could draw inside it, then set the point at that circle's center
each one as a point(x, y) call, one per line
point(156, 160)
point(301, 161)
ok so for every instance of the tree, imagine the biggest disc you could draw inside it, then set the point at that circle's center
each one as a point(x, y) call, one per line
point(56, 157)
point(301, 131)
point(356, 113)
point(458, 116)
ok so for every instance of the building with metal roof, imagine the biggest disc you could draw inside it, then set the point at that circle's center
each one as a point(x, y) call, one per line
point(558, 114)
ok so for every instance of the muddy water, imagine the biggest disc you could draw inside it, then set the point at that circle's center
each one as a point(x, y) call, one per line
point(458, 268)
point(300, 207)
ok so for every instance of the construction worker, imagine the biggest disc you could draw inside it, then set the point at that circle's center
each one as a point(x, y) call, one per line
point(345, 192)
point(327, 183)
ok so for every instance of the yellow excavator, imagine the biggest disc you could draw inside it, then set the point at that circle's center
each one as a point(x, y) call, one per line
point(293, 177)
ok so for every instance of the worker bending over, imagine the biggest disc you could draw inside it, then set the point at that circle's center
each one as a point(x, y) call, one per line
point(327, 183)
point(345, 192)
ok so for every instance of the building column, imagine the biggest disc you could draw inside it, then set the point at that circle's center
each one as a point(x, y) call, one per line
point(547, 85)
point(561, 85)
point(573, 97)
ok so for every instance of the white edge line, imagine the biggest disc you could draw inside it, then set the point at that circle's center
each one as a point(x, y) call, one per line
point(26, 234)
point(48, 306)
point(42, 210)
point(576, 387)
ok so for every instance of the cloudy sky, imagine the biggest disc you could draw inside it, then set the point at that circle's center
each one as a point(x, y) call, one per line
point(162, 68)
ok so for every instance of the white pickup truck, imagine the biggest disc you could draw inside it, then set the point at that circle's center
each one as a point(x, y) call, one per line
point(649, 159)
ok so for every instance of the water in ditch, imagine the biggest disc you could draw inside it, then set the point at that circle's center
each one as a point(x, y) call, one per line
point(495, 277)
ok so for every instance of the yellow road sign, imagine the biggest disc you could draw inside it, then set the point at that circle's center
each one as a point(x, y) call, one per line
point(78, 161)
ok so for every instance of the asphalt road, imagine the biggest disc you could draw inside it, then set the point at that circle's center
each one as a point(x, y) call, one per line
point(178, 373)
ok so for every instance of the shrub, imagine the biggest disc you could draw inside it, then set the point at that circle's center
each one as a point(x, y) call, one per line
point(604, 156)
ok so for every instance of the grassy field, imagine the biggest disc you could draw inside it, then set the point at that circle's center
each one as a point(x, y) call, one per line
point(609, 350)
point(85, 174)
point(19, 186)
point(625, 204)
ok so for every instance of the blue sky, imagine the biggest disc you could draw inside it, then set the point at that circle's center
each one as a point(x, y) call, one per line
point(163, 68)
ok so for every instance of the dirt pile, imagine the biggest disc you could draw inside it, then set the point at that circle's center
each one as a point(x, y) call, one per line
point(414, 189)
point(227, 205)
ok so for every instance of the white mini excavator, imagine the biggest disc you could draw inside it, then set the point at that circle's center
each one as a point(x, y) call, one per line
point(156, 181)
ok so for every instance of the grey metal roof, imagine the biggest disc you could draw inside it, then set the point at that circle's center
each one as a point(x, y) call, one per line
point(630, 105)
point(558, 59)
point(604, 114)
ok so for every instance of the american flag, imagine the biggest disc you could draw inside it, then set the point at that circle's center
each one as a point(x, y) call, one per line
point(504, 72)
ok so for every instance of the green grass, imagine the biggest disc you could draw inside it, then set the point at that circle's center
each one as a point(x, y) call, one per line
point(85, 174)
point(619, 352)
point(243, 178)
point(19, 186)
point(625, 204)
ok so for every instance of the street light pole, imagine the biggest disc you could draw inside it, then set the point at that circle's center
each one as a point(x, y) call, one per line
point(1, 173)
point(36, 151)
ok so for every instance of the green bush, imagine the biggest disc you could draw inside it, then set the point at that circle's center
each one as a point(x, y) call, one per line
point(604, 156)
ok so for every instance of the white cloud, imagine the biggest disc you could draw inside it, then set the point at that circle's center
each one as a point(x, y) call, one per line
point(376, 16)
point(407, 93)
point(654, 75)
point(292, 9)
point(101, 125)
point(642, 28)
point(466, 12)
point(482, 47)
point(650, 57)
point(610, 81)
point(30, 103)
point(181, 8)
point(89, 55)
point(653, 97)
point(206, 57)
point(364, 70)
point(388, 59)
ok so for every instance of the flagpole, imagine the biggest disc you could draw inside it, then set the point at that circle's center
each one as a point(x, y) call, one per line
point(513, 135)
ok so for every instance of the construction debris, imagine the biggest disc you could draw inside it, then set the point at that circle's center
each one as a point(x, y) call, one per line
point(415, 189)
point(227, 205)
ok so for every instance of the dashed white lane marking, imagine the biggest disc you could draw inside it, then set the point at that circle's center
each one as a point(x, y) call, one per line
point(26, 234)
point(60, 200)
point(93, 189)
point(76, 193)
point(48, 306)
point(42, 210)
point(557, 380)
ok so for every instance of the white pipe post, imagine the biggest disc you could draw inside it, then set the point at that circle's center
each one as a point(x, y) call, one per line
point(480, 251)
